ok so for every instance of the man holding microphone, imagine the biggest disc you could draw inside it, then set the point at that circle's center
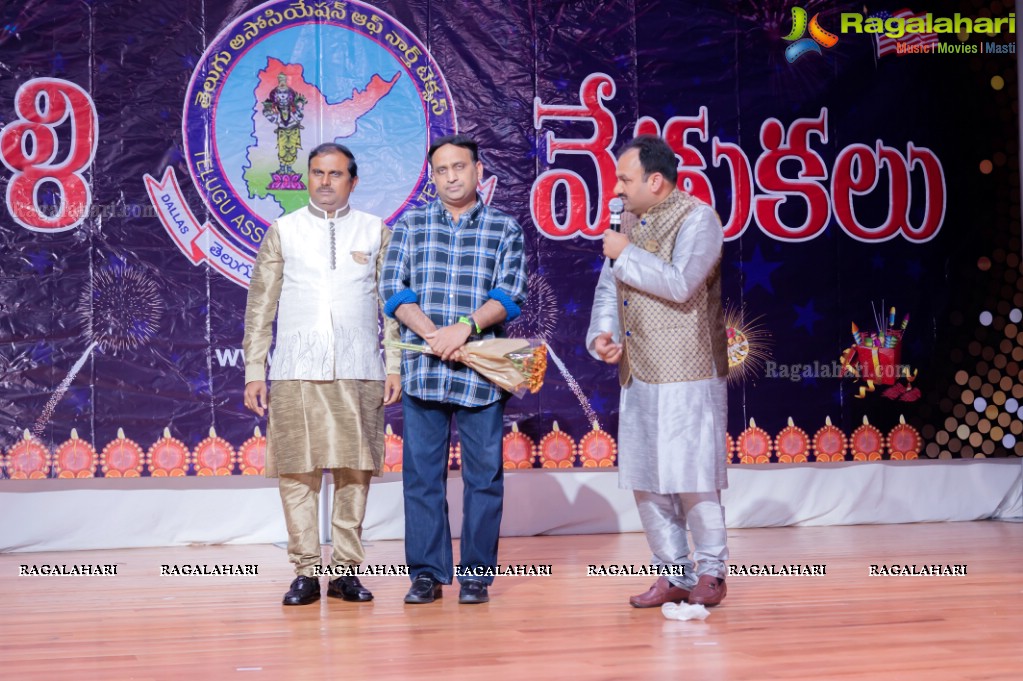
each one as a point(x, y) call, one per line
point(657, 315)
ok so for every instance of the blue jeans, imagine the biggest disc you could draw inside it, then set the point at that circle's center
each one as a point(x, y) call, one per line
point(427, 436)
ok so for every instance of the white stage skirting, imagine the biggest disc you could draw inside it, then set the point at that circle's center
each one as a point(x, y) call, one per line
point(63, 515)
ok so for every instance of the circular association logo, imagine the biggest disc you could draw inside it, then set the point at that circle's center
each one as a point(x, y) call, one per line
point(288, 76)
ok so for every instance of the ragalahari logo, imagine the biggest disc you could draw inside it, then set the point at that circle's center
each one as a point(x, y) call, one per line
point(818, 36)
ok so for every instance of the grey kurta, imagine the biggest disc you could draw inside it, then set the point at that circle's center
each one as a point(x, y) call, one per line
point(671, 436)
point(313, 424)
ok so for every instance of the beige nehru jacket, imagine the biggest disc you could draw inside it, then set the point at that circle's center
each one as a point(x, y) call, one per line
point(666, 341)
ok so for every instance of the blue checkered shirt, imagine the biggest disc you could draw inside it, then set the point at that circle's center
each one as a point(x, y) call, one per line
point(450, 270)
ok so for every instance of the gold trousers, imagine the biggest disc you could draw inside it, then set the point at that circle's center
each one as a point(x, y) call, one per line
point(300, 495)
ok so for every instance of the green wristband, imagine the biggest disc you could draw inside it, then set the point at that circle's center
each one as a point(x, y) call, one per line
point(471, 322)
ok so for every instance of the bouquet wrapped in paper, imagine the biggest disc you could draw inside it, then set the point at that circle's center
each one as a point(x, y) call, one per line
point(516, 364)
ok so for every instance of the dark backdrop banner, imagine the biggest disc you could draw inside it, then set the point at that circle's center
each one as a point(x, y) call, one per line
point(147, 146)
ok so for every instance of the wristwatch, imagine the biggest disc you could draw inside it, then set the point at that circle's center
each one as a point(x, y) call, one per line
point(472, 324)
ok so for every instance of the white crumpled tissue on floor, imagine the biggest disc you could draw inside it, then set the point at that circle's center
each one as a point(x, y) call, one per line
point(684, 611)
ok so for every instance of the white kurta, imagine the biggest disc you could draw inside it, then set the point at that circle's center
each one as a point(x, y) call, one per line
point(326, 398)
point(671, 436)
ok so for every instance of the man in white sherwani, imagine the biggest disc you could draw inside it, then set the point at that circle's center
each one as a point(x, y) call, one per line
point(657, 314)
point(317, 272)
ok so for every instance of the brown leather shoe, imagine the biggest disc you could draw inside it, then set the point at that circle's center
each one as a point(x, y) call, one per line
point(660, 593)
point(708, 591)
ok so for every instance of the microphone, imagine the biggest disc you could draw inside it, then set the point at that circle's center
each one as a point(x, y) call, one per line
point(617, 207)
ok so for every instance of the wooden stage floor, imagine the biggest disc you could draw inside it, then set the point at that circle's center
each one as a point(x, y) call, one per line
point(844, 624)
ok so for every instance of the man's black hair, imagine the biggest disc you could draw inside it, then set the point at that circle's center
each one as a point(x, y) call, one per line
point(334, 148)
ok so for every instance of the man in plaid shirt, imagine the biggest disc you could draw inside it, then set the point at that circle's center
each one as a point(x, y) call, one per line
point(455, 271)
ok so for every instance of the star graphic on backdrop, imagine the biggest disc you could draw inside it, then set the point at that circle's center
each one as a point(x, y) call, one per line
point(41, 353)
point(115, 261)
point(571, 307)
point(200, 384)
point(806, 316)
point(598, 264)
point(914, 269)
point(877, 262)
point(47, 199)
point(537, 148)
point(39, 261)
point(757, 272)
point(599, 403)
point(77, 398)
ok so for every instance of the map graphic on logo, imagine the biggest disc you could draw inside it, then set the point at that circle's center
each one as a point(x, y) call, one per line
point(279, 81)
point(802, 46)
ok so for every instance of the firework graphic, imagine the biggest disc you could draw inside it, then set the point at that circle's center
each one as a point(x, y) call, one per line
point(539, 318)
point(763, 26)
point(120, 311)
point(573, 385)
point(749, 344)
point(775, 17)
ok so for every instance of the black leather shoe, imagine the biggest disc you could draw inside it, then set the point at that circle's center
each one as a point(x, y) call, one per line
point(473, 591)
point(303, 591)
point(425, 589)
point(349, 589)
